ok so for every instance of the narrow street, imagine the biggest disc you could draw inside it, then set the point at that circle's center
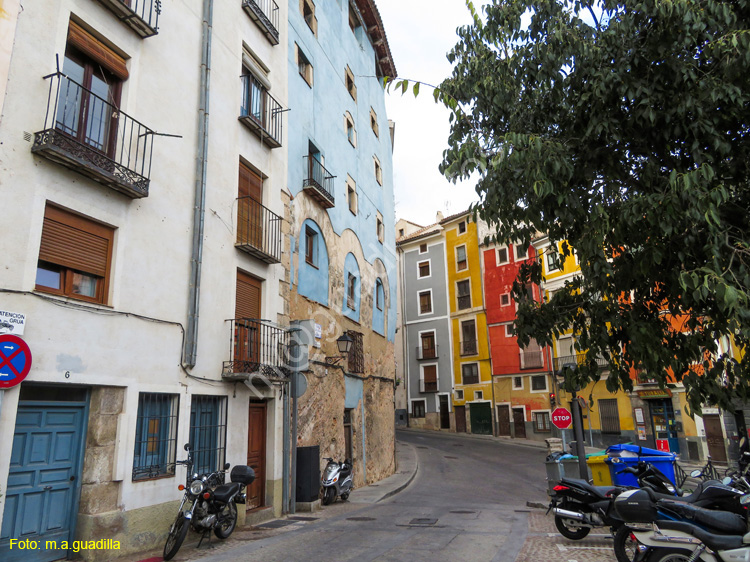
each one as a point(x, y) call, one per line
point(467, 502)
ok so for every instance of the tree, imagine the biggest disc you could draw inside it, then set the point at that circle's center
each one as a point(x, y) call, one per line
point(623, 129)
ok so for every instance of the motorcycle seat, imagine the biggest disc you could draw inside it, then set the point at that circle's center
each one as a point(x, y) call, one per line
point(723, 522)
point(599, 491)
point(225, 492)
point(711, 540)
point(692, 498)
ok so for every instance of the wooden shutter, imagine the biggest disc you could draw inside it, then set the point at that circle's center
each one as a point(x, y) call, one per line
point(250, 184)
point(430, 374)
point(97, 51)
point(248, 297)
point(73, 242)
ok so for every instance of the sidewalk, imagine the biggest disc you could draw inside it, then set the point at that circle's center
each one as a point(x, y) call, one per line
point(407, 466)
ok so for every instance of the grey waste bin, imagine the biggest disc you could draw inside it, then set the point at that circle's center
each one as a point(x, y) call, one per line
point(573, 470)
point(555, 473)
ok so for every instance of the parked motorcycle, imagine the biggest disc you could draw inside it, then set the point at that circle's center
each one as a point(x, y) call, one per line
point(212, 503)
point(336, 480)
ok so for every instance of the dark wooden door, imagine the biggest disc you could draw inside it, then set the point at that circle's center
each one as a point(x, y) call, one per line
point(445, 418)
point(460, 413)
point(503, 421)
point(256, 454)
point(518, 423)
point(249, 211)
point(481, 418)
point(715, 438)
point(247, 329)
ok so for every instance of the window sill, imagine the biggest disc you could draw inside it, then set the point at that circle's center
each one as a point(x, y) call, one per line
point(160, 477)
point(42, 292)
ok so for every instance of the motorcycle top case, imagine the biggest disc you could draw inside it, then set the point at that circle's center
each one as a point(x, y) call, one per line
point(636, 506)
point(242, 474)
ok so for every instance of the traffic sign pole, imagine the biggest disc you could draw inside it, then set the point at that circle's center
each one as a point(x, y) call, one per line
point(578, 433)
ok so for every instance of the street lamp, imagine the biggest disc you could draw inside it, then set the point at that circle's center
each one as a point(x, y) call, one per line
point(344, 343)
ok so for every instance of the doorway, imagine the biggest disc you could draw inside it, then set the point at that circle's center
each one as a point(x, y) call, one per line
point(519, 423)
point(460, 413)
point(715, 438)
point(503, 421)
point(445, 415)
point(481, 418)
point(663, 423)
point(256, 454)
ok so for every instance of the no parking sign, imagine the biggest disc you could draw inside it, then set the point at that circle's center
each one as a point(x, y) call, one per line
point(15, 360)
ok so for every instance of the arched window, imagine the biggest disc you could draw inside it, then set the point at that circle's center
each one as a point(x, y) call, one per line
point(378, 308)
point(352, 288)
point(312, 281)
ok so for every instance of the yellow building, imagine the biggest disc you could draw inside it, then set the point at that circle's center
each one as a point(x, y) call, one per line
point(472, 370)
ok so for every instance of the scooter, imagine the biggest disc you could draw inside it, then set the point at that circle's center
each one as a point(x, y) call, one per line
point(336, 480)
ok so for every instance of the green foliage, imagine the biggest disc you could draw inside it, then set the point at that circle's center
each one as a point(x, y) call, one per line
point(621, 127)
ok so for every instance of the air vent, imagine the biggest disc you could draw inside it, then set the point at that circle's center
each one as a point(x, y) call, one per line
point(27, 136)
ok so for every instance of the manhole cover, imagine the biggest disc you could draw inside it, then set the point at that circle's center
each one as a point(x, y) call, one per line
point(360, 519)
point(302, 518)
point(422, 447)
point(422, 521)
point(463, 511)
point(449, 457)
point(275, 524)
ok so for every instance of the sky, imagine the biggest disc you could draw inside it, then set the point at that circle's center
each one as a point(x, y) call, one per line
point(420, 33)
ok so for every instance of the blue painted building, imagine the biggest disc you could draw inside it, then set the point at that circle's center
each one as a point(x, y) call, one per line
point(342, 238)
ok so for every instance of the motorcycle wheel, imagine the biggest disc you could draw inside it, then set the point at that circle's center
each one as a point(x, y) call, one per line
point(227, 521)
point(626, 545)
point(572, 533)
point(329, 496)
point(177, 534)
point(669, 555)
point(344, 497)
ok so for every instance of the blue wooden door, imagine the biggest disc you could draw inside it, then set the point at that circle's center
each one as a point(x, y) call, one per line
point(44, 481)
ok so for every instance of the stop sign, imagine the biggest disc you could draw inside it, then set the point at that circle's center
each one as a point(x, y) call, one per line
point(561, 418)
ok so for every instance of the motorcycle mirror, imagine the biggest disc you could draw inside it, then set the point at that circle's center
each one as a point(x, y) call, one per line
point(226, 466)
point(744, 500)
point(695, 474)
point(187, 446)
point(726, 480)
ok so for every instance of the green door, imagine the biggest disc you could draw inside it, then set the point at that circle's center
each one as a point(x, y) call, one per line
point(481, 418)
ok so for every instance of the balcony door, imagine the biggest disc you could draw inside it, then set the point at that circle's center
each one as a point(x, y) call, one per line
point(250, 211)
point(247, 327)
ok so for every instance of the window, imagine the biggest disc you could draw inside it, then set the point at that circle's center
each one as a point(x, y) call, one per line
point(417, 408)
point(311, 243)
point(349, 81)
point(400, 232)
point(351, 291)
point(351, 133)
point(374, 122)
point(551, 257)
point(379, 227)
point(75, 256)
point(478, 395)
point(468, 338)
point(208, 433)
point(423, 248)
point(378, 170)
point(463, 292)
point(428, 349)
point(517, 383)
point(304, 67)
point(461, 263)
point(155, 435)
point(539, 382)
point(509, 331)
point(425, 302)
point(541, 422)
point(353, 19)
point(424, 269)
point(609, 416)
point(356, 357)
point(505, 299)
point(502, 255)
point(522, 252)
point(379, 294)
point(307, 9)
point(462, 227)
point(470, 373)
point(428, 379)
point(351, 195)
point(458, 394)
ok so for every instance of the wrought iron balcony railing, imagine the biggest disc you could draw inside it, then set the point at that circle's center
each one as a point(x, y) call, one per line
point(430, 386)
point(142, 16)
point(86, 133)
point(266, 14)
point(258, 230)
point(531, 359)
point(256, 346)
point(427, 352)
point(469, 347)
point(318, 182)
point(464, 301)
point(559, 362)
point(261, 112)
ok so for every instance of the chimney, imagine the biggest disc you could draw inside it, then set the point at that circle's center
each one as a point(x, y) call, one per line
point(439, 216)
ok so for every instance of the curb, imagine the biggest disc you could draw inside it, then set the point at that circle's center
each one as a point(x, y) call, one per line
point(411, 478)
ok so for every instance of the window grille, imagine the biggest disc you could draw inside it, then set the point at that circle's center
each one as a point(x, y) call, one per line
point(356, 354)
point(609, 415)
point(208, 432)
point(155, 435)
point(541, 422)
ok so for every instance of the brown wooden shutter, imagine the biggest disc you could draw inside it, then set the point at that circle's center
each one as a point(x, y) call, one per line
point(430, 374)
point(248, 297)
point(97, 50)
point(250, 184)
point(76, 243)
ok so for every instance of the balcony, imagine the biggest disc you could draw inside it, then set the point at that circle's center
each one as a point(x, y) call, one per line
point(142, 16)
point(258, 230)
point(256, 347)
point(427, 352)
point(260, 112)
point(318, 182)
point(430, 386)
point(531, 359)
point(265, 13)
point(558, 362)
point(464, 302)
point(91, 136)
point(469, 347)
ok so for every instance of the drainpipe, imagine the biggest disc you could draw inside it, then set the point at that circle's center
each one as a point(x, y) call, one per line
point(364, 437)
point(191, 338)
point(285, 452)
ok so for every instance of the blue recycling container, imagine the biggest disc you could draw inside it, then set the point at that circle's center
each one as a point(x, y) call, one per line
point(615, 450)
point(664, 462)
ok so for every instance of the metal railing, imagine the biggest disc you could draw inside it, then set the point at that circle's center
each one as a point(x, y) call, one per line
point(578, 359)
point(86, 133)
point(430, 386)
point(531, 359)
point(258, 230)
point(464, 301)
point(260, 111)
point(318, 177)
point(266, 14)
point(141, 15)
point(256, 345)
point(427, 352)
point(469, 347)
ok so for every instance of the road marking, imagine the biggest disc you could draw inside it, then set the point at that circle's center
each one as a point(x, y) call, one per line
point(563, 548)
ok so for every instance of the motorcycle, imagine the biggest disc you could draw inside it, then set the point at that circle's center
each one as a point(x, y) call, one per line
point(212, 503)
point(336, 480)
